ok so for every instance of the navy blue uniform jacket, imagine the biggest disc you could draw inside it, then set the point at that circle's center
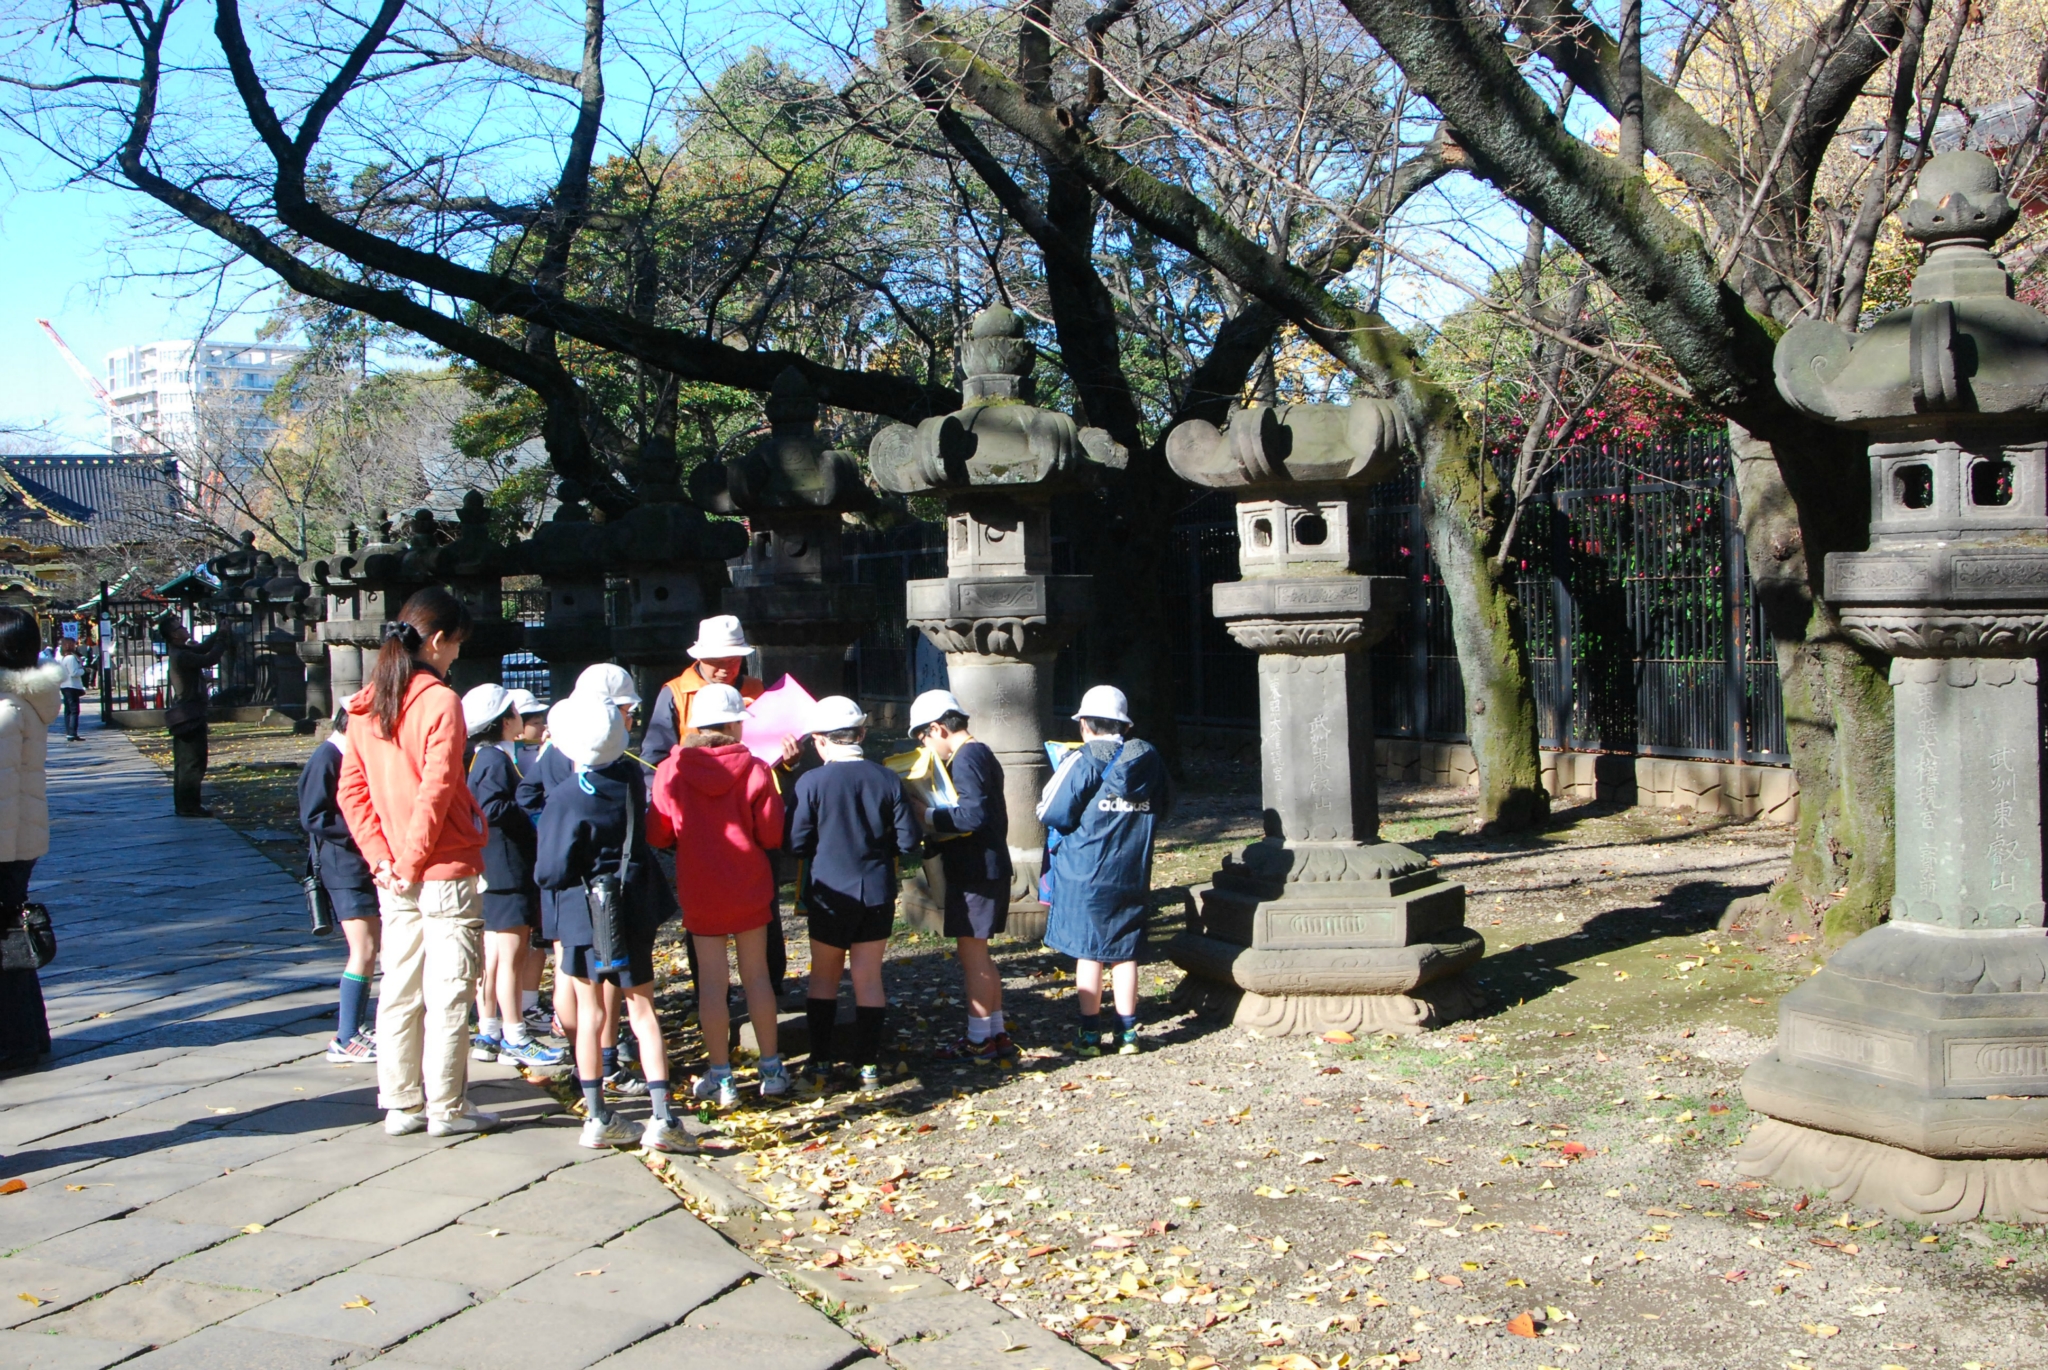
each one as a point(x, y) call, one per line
point(509, 844)
point(849, 821)
point(1105, 807)
point(983, 854)
point(335, 857)
point(581, 834)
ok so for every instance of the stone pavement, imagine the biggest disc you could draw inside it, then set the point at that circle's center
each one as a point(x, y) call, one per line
point(205, 1191)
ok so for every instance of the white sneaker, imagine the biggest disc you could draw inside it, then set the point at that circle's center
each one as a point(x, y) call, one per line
point(774, 1081)
point(662, 1134)
point(602, 1136)
point(470, 1119)
point(706, 1086)
point(399, 1123)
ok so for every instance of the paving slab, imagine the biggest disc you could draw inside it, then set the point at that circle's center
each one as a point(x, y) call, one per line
point(48, 1210)
point(223, 1347)
point(334, 1308)
point(486, 1263)
point(51, 1288)
point(688, 1346)
point(926, 1319)
point(154, 1311)
point(237, 1200)
point(619, 1172)
point(615, 1280)
point(386, 1217)
point(468, 1170)
point(505, 1333)
point(765, 1306)
point(36, 1351)
point(556, 1208)
point(1013, 1344)
point(129, 1247)
point(681, 1233)
point(275, 1261)
point(137, 1180)
point(857, 1290)
point(332, 1160)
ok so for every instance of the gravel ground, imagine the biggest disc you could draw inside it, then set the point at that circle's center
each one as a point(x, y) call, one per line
point(1561, 1167)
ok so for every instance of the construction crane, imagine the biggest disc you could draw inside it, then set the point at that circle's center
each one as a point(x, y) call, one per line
point(146, 440)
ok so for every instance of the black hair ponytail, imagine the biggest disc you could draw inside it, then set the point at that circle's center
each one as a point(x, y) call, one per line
point(432, 610)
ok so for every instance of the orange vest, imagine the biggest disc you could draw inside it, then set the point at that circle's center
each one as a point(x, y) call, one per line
point(689, 682)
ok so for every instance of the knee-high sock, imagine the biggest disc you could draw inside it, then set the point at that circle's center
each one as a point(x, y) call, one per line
point(355, 1005)
point(867, 1027)
point(823, 1017)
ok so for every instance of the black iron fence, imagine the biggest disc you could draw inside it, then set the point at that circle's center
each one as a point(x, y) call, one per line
point(1630, 567)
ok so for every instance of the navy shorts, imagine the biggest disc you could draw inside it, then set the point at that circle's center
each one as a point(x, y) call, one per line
point(639, 968)
point(511, 910)
point(978, 908)
point(840, 922)
point(351, 902)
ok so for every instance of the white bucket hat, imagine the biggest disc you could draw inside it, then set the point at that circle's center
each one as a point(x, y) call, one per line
point(483, 706)
point(714, 706)
point(931, 706)
point(525, 702)
point(612, 684)
point(720, 638)
point(587, 730)
point(834, 713)
point(1104, 701)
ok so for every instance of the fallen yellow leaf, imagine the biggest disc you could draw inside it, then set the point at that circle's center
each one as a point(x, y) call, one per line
point(598, 1271)
point(360, 1303)
point(253, 1228)
point(31, 1300)
point(1820, 1329)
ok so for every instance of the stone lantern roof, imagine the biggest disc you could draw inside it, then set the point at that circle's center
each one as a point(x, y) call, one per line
point(1283, 449)
point(787, 471)
point(1963, 354)
point(998, 438)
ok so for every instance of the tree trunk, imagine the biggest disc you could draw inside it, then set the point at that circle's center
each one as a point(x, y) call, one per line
point(1461, 498)
point(1838, 727)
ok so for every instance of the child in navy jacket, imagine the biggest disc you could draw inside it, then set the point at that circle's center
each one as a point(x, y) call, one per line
point(346, 877)
point(849, 822)
point(511, 903)
point(593, 827)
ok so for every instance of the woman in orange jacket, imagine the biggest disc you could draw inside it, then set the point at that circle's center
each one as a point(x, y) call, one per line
point(406, 797)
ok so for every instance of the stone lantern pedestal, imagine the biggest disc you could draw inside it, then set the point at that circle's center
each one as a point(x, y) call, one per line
point(1911, 1072)
point(791, 589)
point(1318, 926)
point(999, 615)
point(366, 586)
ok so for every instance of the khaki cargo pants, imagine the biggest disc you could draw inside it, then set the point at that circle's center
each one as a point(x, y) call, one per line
point(431, 957)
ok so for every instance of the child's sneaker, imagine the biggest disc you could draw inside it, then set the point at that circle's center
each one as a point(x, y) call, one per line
point(728, 1092)
point(611, 1132)
point(998, 1050)
point(774, 1081)
point(1127, 1043)
point(870, 1078)
point(1086, 1043)
point(359, 1050)
point(625, 1082)
point(716, 1086)
point(531, 1053)
point(662, 1134)
point(482, 1048)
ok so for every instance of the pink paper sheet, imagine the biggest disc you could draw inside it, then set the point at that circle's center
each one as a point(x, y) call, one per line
point(783, 710)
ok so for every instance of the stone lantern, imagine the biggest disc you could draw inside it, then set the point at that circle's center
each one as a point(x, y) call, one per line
point(366, 585)
point(791, 591)
point(1000, 616)
point(473, 567)
point(1911, 1072)
point(279, 600)
point(1319, 926)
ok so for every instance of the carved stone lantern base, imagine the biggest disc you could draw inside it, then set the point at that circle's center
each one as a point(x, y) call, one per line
point(804, 630)
point(1315, 937)
point(1905, 1184)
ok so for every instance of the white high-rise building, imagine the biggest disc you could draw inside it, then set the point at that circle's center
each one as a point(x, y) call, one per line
point(161, 388)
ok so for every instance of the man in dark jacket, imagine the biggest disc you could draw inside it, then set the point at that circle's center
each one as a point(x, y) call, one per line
point(185, 664)
point(1104, 802)
point(849, 823)
point(971, 837)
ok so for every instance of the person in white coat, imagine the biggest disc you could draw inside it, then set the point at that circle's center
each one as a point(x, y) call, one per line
point(28, 703)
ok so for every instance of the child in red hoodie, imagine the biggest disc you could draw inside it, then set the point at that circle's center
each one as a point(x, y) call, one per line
point(718, 807)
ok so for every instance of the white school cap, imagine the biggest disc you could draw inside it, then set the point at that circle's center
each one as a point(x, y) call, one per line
point(483, 706)
point(612, 684)
point(525, 702)
point(1104, 701)
point(931, 706)
point(836, 712)
point(714, 706)
point(588, 730)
